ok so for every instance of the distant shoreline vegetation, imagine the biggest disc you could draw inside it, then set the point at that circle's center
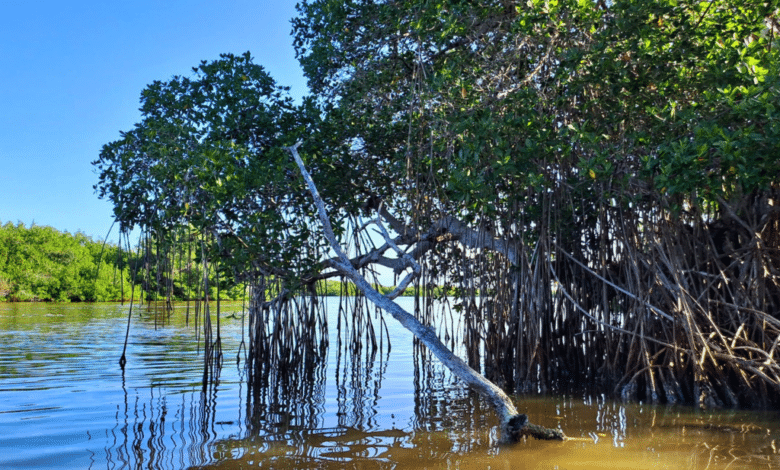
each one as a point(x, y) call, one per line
point(334, 288)
point(43, 264)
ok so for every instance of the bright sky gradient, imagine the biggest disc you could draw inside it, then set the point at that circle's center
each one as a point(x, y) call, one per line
point(71, 74)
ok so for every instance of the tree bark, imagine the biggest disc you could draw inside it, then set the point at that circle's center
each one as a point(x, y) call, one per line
point(513, 424)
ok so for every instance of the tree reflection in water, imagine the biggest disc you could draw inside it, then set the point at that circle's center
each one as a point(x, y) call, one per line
point(291, 424)
point(161, 430)
point(340, 413)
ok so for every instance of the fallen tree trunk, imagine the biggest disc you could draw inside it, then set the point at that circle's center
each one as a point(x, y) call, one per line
point(513, 424)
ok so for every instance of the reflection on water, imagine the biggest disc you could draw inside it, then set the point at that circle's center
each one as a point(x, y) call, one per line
point(64, 403)
point(611, 435)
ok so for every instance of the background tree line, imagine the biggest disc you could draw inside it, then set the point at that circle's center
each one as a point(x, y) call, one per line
point(43, 264)
point(607, 171)
point(40, 263)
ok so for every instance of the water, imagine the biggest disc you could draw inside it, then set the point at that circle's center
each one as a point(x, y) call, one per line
point(65, 403)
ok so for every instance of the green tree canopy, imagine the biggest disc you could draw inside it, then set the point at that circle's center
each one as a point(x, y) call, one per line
point(41, 263)
point(208, 157)
point(673, 100)
point(600, 168)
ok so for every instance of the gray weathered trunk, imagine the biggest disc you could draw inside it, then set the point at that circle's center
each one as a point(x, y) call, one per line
point(513, 424)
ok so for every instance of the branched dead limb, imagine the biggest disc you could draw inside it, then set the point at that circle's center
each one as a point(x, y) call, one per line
point(513, 424)
point(444, 230)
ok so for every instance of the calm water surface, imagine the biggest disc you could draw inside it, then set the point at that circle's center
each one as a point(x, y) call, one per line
point(65, 403)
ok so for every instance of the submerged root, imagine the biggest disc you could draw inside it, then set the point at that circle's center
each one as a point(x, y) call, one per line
point(518, 427)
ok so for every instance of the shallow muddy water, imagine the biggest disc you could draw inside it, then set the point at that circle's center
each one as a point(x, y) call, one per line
point(65, 403)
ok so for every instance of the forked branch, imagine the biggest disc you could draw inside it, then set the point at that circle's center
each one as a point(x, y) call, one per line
point(513, 424)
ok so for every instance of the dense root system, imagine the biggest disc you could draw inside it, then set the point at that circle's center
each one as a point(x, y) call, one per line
point(653, 306)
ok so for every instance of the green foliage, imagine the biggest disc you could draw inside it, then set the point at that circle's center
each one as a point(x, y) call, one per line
point(489, 105)
point(208, 156)
point(692, 92)
point(478, 110)
point(339, 288)
point(43, 264)
point(40, 263)
point(583, 139)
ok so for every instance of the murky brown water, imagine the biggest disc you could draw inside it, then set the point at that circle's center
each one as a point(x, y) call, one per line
point(604, 435)
point(64, 403)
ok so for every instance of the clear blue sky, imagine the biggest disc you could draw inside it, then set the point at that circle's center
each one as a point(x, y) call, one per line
point(71, 73)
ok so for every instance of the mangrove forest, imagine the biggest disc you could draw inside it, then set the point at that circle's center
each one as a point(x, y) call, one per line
point(592, 186)
point(43, 264)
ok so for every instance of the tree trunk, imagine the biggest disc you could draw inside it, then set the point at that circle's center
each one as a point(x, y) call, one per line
point(513, 424)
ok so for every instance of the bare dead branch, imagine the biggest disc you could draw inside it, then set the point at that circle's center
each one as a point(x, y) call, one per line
point(513, 424)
